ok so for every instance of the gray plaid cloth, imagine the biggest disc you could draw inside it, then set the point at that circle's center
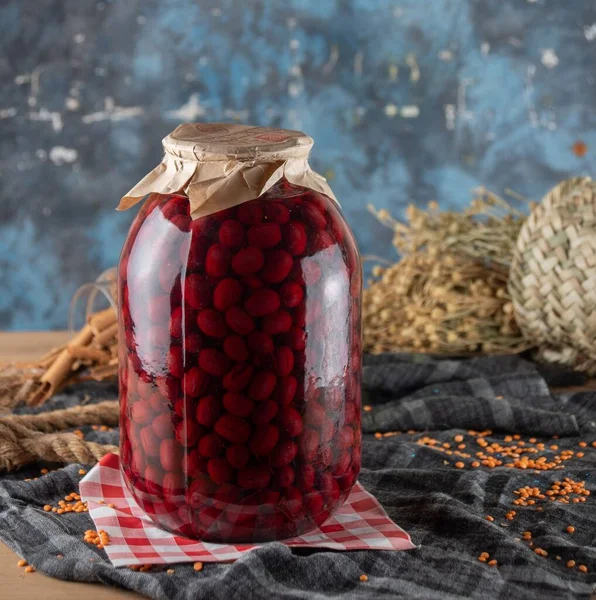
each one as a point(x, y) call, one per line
point(442, 507)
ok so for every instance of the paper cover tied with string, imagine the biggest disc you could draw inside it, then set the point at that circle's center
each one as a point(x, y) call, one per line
point(220, 165)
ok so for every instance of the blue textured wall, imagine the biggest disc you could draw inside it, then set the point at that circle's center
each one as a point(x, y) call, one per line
point(408, 100)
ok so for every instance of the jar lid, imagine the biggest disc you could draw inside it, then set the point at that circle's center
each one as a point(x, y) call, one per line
point(220, 165)
point(225, 141)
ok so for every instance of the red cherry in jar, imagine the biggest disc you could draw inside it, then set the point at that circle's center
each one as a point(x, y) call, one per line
point(242, 415)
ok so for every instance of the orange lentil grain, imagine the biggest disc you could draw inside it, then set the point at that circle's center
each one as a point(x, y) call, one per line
point(363, 577)
point(570, 564)
point(44, 471)
point(82, 472)
point(583, 568)
point(170, 571)
point(22, 563)
point(30, 569)
point(580, 455)
point(482, 558)
point(489, 518)
point(198, 566)
point(378, 435)
point(582, 444)
point(460, 465)
point(475, 464)
point(492, 563)
point(458, 438)
point(367, 408)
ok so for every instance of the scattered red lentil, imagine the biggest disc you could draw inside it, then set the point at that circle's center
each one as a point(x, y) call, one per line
point(367, 408)
point(582, 444)
point(583, 568)
point(170, 571)
point(570, 529)
point(82, 472)
point(363, 577)
point(460, 465)
point(570, 564)
point(44, 471)
point(198, 566)
point(492, 563)
point(98, 538)
point(145, 568)
point(71, 503)
point(489, 518)
point(458, 438)
point(30, 569)
point(22, 563)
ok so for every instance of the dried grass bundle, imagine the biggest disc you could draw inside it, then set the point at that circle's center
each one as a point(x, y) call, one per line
point(448, 294)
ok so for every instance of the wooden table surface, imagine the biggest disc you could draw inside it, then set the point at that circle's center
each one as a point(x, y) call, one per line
point(15, 584)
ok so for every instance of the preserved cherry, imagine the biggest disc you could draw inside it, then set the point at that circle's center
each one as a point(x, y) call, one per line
point(240, 377)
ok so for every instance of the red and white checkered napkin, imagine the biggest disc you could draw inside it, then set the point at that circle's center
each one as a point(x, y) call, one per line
point(360, 524)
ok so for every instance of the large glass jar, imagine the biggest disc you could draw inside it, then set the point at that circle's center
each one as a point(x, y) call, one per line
point(240, 361)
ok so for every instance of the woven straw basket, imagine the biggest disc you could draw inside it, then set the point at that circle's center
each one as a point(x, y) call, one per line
point(552, 281)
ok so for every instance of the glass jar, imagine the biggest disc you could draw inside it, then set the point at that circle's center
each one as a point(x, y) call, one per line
point(240, 362)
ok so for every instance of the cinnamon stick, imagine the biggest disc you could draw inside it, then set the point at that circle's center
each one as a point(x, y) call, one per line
point(101, 320)
point(103, 337)
point(92, 354)
point(54, 377)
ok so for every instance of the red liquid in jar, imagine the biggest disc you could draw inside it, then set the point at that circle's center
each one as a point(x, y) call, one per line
point(240, 365)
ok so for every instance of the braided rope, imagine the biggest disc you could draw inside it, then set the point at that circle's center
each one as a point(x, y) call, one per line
point(27, 438)
point(105, 413)
point(552, 281)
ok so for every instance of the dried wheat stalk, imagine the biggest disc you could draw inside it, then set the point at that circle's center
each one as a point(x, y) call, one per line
point(448, 294)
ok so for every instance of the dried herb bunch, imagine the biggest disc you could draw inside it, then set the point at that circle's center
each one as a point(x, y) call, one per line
point(448, 294)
